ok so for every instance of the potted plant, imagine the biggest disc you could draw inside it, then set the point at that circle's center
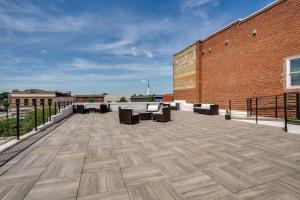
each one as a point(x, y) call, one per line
point(227, 115)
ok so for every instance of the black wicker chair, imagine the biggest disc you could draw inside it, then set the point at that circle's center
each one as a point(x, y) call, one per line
point(207, 109)
point(103, 108)
point(163, 116)
point(126, 116)
point(174, 107)
point(80, 109)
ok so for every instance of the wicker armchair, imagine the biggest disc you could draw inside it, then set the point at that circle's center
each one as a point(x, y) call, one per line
point(126, 116)
point(162, 116)
point(207, 109)
point(174, 106)
point(103, 108)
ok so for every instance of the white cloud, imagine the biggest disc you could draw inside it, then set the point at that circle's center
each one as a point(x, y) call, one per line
point(134, 51)
point(149, 54)
point(190, 4)
point(46, 24)
point(44, 51)
point(83, 64)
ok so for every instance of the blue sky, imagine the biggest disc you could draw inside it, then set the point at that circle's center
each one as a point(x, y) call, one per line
point(96, 46)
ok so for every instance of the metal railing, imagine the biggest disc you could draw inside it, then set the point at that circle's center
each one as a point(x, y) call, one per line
point(285, 107)
point(21, 118)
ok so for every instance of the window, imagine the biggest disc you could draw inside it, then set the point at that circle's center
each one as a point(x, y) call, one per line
point(33, 101)
point(25, 102)
point(18, 101)
point(293, 72)
point(42, 101)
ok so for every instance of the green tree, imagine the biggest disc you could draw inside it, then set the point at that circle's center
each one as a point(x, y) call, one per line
point(123, 99)
point(151, 98)
point(91, 100)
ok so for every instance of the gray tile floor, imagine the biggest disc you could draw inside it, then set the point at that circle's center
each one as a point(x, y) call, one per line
point(192, 157)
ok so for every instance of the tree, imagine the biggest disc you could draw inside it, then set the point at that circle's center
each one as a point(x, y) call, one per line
point(3, 96)
point(134, 95)
point(151, 98)
point(123, 99)
point(104, 93)
point(91, 100)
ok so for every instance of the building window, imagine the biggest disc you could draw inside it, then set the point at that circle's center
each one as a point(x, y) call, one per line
point(293, 72)
point(18, 101)
point(42, 101)
point(25, 102)
point(33, 101)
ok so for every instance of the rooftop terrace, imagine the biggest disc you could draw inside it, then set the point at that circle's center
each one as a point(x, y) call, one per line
point(194, 156)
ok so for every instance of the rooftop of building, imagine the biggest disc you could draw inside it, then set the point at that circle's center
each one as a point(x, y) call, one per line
point(194, 156)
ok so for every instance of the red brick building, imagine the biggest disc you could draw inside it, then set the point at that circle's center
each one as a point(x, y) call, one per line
point(255, 56)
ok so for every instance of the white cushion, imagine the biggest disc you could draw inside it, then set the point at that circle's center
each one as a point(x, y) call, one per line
point(205, 106)
point(173, 104)
point(152, 108)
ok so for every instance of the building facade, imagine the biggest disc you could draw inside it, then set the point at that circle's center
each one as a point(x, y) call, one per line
point(256, 56)
point(86, 98)
point(27, 98)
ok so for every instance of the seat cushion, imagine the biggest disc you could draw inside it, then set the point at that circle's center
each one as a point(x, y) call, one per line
point(173, 104)
point(152, 108)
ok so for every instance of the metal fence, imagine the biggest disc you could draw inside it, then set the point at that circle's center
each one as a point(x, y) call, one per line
point(20, 119)
point(285, 107)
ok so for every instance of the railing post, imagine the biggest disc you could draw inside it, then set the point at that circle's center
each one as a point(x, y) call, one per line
point(55, 111)
point(35, 116)
point(49, 110)
point(297, 106)
point(43, 106)
point(58, 107)
point(285, 112)
point(250, 107)
point(256, 109)
point(64, 104)
point(276, 107)
point(18, 120)
point(230, 108)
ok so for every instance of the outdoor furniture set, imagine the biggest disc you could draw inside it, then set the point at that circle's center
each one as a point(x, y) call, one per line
point(207, 109)
point(172, 105)
point(155, 112)
point(81, 108)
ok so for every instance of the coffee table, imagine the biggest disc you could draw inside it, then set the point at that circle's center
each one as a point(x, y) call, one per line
point(145, 115)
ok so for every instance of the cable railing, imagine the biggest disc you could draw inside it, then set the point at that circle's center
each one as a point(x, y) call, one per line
point(283, 107)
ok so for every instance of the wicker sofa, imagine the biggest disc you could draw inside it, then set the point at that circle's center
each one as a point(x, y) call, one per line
point(127, 116)
point(207, 109)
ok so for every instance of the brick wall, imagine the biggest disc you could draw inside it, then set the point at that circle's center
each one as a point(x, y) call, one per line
point(248, 66)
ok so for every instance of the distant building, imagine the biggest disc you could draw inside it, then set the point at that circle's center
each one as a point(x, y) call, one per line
point(157, 98)
point(115, 98)
point(139, 99)
point(167, 97)
point(27, 98)
point(87, 97)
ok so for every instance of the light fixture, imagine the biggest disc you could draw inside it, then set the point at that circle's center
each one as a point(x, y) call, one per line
point(203, 52)
point(254, 32)
point(209, 50)
point(226, 42)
